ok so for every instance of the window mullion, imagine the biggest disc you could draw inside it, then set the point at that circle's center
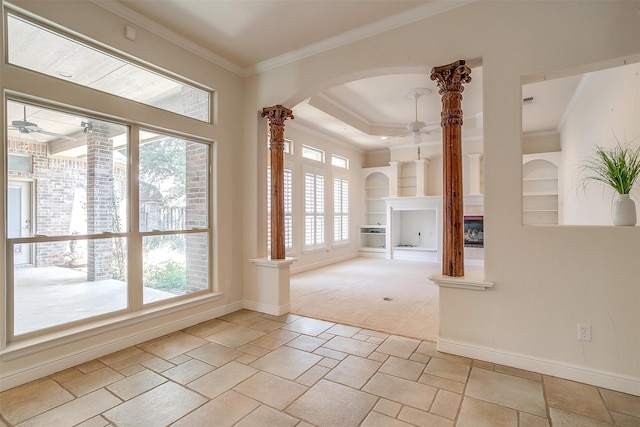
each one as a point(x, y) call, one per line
point(134, 265)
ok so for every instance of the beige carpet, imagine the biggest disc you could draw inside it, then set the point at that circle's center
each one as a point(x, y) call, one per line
point(391, 296)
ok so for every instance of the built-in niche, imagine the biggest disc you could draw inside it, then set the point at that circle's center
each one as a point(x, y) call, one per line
point(414, 234)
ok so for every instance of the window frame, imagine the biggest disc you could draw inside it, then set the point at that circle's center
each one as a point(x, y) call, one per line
point(35, 88)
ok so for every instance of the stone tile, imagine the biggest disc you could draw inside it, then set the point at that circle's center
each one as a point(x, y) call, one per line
point(75, 411)
point(376, 419)
point(476, 413)
point(484, 365)
point(446, 404)
point(188, 371)
point(422, 358)
point(91, 382)
point(157, 364)
point(361, 337)
point(247, 359)
point(271, 390)
point(351, 346)
point(312, 376)
point(403, 368)
point(443, 383)
point(575, 397)
point(286, 362)
point(31, 399)
point(208, 328)
point(226, 409)
point(561, 418)
point(91, 366)
point(215, 354)
point(97, 421)
point(66, 375)
point(285, 318)
point(235, 336)
point(121, 355)
point(453, 371)
point(431, 349)
point(136, 384)
point(333, 354)
point(621, 402)
point(180, 359)
point(329, 362)
point(528, 420)
point(240, 316)
point(222, 379)
point(410, 393)
point(506, 390)
point(266, 325)
point(376, 334)
point(306, 343)
point(534, 376)
point(421, 418)
point(330, 404)
point(375, 340)
point(388, 407)
point(275, 339)
point(625, 420)
point(158, 407)
point(353, 371)
point(380, 357)
point(398, 346)
point(173, 345)
point(308, 326)
point(130, 370)
point(131, 361)
point(267, 417)
point(325, 336)
point(253, 350)
point(343, 330)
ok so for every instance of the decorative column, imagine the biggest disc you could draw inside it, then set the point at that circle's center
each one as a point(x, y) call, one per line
point(450, 79)
point(277, 115)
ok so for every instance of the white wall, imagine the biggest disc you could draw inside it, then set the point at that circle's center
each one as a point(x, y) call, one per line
point(606, 108)
point(547, 279)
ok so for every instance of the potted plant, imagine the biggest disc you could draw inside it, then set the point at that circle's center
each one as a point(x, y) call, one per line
point(619, 168)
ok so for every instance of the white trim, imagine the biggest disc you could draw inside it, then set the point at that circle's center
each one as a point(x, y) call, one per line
point(266, 308)
point(570, 371)
point(460, 282)
point(71, 357)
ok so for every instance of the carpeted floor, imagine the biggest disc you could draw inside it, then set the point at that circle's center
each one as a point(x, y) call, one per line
point(391, 296)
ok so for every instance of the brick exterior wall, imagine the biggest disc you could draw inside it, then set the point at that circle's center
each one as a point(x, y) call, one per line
point(197, 255)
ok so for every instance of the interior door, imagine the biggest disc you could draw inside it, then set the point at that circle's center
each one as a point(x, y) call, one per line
point(19, 219)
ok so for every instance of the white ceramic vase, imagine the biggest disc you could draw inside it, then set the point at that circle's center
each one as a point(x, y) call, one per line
point(624, 210)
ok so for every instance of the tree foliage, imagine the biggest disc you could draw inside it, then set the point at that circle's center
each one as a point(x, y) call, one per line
point(163, 165)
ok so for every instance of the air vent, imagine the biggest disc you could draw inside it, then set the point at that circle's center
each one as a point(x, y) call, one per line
point(528, 101)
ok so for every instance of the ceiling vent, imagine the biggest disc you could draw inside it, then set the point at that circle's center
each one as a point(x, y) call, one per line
point(528, 101)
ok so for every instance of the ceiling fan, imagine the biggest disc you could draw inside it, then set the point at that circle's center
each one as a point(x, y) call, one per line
point(417, 128)
point(33, 130)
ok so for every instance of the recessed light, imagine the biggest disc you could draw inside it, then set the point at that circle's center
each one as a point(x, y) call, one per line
point(384, 138)
point(65, 74)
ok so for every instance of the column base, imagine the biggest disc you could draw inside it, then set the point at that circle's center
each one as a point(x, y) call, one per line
point(270, 293)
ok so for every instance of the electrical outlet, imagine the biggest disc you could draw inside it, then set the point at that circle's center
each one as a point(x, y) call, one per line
point(227, 284)
point(584, 332)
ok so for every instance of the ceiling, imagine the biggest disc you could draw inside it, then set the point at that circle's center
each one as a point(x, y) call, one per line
point(361, 113)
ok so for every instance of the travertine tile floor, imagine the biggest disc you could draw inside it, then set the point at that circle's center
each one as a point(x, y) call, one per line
point(249, 369)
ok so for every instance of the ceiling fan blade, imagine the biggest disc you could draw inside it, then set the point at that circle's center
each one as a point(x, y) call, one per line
point(417, 139)
point(36, 136)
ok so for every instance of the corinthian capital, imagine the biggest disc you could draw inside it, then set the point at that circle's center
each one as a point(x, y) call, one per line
point(451, 77)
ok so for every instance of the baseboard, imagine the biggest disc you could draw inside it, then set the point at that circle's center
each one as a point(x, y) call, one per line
point(583, 374)
point(273, 310)
point(74, 357)
point(322, 263)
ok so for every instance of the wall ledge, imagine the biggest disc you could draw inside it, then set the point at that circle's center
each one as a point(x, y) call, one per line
point(273, 263)
point(465, 282)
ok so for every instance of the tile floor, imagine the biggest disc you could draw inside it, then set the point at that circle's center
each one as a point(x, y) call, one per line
point(249, 369)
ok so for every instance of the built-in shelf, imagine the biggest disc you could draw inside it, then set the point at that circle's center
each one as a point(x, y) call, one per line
point(539, 191)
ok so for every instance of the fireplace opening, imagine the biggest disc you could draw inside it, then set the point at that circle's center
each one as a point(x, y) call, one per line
point(474, 231)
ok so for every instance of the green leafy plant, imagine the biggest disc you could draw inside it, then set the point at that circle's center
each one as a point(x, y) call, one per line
point(169, 276)
point(617, 167)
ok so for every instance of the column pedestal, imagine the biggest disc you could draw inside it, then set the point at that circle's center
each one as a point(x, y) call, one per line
point(270, 292)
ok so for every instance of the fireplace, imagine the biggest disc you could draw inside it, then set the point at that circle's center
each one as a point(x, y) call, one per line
point(474, 231)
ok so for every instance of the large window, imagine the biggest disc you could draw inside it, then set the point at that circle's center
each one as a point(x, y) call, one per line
point(313, 209)
point(39, 49)
point(340, 210)
point(105, 217)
